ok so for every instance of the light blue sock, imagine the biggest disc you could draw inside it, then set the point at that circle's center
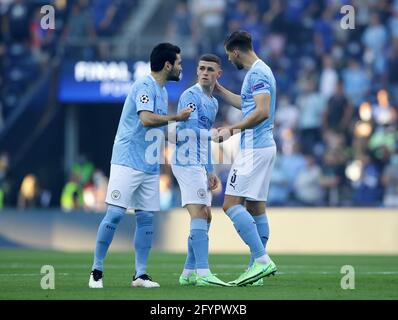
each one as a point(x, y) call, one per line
point(142, 240)
point(105, 234)
point(263, 231)
point(200, 242)
point(190, 262)
point(246, 228)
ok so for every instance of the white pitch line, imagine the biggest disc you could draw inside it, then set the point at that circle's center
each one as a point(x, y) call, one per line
point(319, 272)
point(28, 274)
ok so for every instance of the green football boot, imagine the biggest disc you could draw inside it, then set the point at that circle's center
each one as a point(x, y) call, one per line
point(188, 281)
point(258, 283)
point(256, 272)
point(235, 282)
point(210, 281)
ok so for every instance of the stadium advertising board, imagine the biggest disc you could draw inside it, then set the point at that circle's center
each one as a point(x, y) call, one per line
point(110, 81)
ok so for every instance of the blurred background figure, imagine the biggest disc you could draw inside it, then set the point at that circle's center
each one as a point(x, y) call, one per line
point(4, 187)
point(389, 181)
point(308, 189)
point(29, 193)
point(72, 194)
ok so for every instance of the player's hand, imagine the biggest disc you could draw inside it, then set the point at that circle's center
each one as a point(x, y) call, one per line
point(217, 88)
point(184, 114)
point(221, 134)
point(214, 181)
point(215, 136)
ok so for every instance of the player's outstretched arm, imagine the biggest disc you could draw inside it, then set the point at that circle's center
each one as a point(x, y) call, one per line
point(150, 119)
point(260, 113)
point(230, 97)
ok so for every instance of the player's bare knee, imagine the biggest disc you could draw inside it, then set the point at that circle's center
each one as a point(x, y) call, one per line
point(255, 207)
point(225, 206)
point(230, 201)
point(201, 212)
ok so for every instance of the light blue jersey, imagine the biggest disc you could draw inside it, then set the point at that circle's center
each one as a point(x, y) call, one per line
point(259, 79)
point(193, 135)
point(130, 147)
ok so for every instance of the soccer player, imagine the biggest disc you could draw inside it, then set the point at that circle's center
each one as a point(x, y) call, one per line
point(193, 169)
point(249, 178)
point(134, 181)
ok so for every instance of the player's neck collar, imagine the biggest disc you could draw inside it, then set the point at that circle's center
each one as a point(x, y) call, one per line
point(156, 82)
point(201, 89)
point(255, 62)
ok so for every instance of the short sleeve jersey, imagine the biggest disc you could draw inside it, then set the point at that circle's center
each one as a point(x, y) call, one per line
point(134, 143)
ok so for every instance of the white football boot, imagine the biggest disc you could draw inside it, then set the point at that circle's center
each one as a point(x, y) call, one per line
point(144, 281)
point(95, 284)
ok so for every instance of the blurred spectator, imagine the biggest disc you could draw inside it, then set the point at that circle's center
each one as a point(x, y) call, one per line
point(72, 194)
point(374, 39)
point(84, 169)
point(329, 78)
point(104, 15)
point(307, 187)
point(1, 115)
point(292, 164)
point(181, 29)
point(208, 16)
point(383, 136)
point(323, 33)
point(42, 40)
point(311, 105)
point(80, 32)
point(392, 74)
point(338, 114)
point(367, 190)
point(393, 24)
point(390, 182)
point(29, 192)
point(279, 194)
point(254, 27)
point(4, 165)
point(356, 82)
point(332, 178)
point(286, 121)
point(274, 17)
point(17, 21)
point(94, 192)
point(383, 112)
point(180, 26)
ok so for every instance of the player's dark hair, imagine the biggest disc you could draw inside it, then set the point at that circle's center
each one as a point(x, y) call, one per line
point(210, 58)
point(240, 39)
point(161, 53)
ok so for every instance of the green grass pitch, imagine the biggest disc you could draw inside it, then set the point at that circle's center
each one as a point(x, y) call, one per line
point(299, 277)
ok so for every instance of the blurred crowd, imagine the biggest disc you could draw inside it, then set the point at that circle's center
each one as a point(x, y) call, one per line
point(337, 89)
point(336, 118)
point(81, 28)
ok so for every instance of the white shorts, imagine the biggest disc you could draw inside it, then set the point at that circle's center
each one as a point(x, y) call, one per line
point(129, 188)
point(193, 185)
point(250, 174)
